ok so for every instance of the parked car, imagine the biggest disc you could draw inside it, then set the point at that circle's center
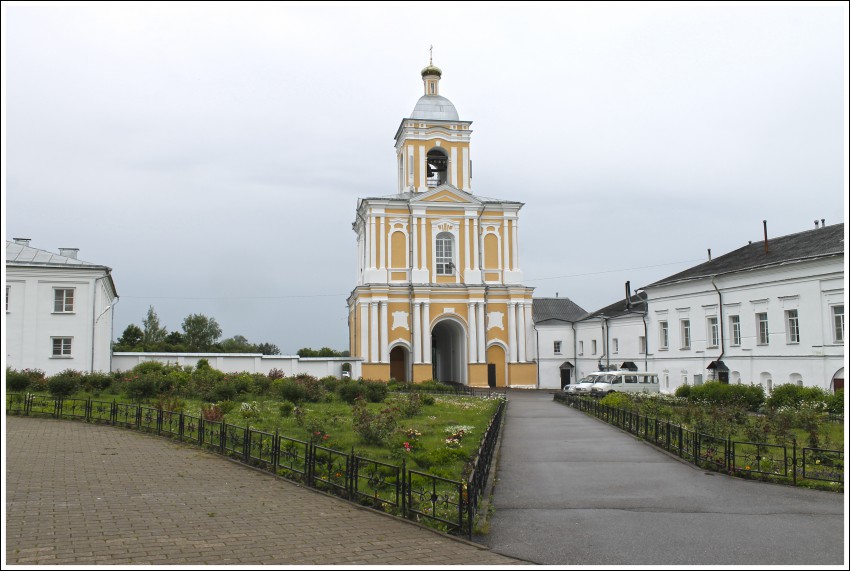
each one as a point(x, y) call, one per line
point(583, 386)
point(625, 382)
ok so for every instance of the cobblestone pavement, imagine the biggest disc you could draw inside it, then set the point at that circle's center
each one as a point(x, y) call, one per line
point(84, 494)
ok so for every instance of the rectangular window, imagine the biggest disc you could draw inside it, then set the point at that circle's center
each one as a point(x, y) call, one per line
point(838, 323)
point(792, 326)
point(557, 347)
point(593, 345)
point(444, 255)
point(761, 327)
point(686, 333)
point(61, 346)
point(713, 332)
point(663, 335)
point(735, 329)
point(616, 345)
point(63, 300)
point(697, 380)
point(581, 347)
point(642, 344)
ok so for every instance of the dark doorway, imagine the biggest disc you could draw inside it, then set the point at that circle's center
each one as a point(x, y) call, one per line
point(448, 352)
point(398, 363)
point(491, 374)
point(565, 377)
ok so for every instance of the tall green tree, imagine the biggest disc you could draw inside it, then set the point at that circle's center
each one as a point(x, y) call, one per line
point(237, 344)
point(154, 332)
point(131, 338)
point(268, 349)
point(200, 332)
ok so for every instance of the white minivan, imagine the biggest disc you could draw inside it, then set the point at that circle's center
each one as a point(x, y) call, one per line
point(625, 382)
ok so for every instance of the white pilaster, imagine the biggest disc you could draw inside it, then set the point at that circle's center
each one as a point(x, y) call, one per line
point(468, 248)
point(505, 260)
point(364, 331)
point(373, 332)
point(521, 333)
point(371, 237)
point(382, 262)
point(415, 237)
point(466, 169)
point(384, 342)
point(426, 331)
point(482, 334)
point(512, 332)
point(417, 332)
point(453, 169)
point(514, 248)
point(473, 330)
point(423, 174)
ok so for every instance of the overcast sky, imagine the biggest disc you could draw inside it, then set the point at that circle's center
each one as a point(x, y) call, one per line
point(212, 154)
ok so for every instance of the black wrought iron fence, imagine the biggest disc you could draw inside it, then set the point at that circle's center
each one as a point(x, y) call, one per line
point(449, 503)
point(718, 453)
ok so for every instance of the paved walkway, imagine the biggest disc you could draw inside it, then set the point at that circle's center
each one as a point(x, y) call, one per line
point(84, 494)
point(572, 490)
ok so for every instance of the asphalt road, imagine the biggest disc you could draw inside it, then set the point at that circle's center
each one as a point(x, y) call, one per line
point(572, 490)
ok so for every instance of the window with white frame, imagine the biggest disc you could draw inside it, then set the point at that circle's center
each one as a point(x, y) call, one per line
point(713, 332)
point(792, 326)
point(838, 323)
point(761, 328)
point(593, 346)
point(581, 347)
point(663, 335)
point(615, 345)
point(685, 326)
point(642, 344)
point(735, 329)
point(63, 300)
point(61, 346)
point(557, 347)
point(445, 254)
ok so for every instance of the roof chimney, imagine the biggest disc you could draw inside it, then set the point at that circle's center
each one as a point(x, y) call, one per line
point(816, 223)
point(628, 295)
point(556, 295)
point(709, 254)
point(823, 222)
point(22, 241)
point(69, 252)
point(765, 235)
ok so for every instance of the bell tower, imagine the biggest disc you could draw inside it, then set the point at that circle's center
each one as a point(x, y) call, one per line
point(432, 145)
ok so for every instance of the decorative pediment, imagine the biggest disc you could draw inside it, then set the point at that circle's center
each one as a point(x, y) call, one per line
point(446, 193)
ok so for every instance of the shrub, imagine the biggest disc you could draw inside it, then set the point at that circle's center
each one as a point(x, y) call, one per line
point(349, 391)
point(427, 400)
point(440, 457)
point(204, 379)
point(18, 381)
point(792, 395)
point(835, 402)
point(409, 404)
point(683, 391)
point(376, 391)
point(373, 427)
point(286, 409)
point(617, 400)
point(313, 389)
point(223, 391)
point(140, 387)
point(211, 412)
point(275, 374)
point(64, 384)
point(262, 383)
point(750, 397)
point(289, 389)
point(146, 367)
point(95, 382)
point(170, 403)
point(242, 382)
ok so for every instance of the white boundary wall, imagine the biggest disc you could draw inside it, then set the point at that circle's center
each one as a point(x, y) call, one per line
point(245, 362)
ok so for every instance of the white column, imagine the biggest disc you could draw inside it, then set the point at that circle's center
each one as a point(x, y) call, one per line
point(512, 331)
point(364, 331)
point(482, 334)
point(453, 169)
point(473, 341)
point(384, 342)
point(476, 237)
point(466, 169)
point(514, 248)
point(382, 263)
point(417, 332)
point(423, 260)
point(529, 332)
point(468, 250)
point(423, 173)
point(373, 332)
point(505, 265)
point(521, 333)
point(426, 331)
point(372, 251)
point(415, 237)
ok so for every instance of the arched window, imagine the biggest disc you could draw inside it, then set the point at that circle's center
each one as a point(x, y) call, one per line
point(445, 254)
point(438, 163)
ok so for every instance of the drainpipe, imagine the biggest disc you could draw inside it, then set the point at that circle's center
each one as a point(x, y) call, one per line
point(645, 343)
point(720, 319)
point(607, 352)
point(410, 237)
point(575, 347)
point(537, 355)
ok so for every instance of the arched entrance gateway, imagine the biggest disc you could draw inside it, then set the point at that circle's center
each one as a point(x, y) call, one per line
point(448, 351)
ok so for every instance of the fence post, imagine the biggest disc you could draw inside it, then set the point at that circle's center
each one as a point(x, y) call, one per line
point(697, 447)
point(88, 410)
point(275, 449)
point(680, 442)
point(138, 417)
point(180, 426)
point(201, 431)
point(159, 422)
point(113, 412)
point(403, 487)
point(246, 445)
point(794, 460)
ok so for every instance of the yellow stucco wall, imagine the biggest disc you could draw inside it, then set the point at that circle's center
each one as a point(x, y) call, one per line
point(422, 372)
point(477, 375)
point(522, 374)
point(376, 371)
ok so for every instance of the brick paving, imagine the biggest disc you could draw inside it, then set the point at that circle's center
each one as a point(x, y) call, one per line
point(78, 494)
